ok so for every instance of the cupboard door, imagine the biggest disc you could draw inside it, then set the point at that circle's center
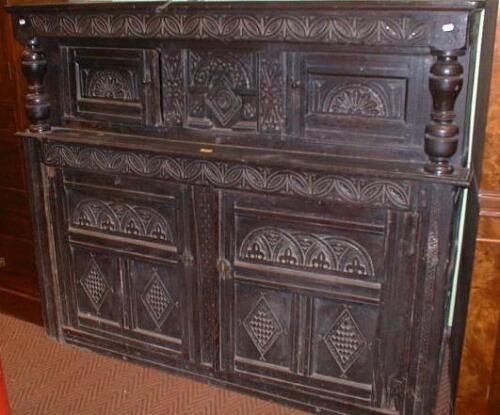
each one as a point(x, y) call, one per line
point(130, 250)
point(119, 85)
point(307, 295)
point(359, 103)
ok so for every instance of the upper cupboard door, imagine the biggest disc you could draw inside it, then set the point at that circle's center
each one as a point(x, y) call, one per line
point(350, 102)
point(311, 294)
point(117, 85)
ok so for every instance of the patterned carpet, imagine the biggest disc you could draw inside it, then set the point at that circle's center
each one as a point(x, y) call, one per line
point(44, 377)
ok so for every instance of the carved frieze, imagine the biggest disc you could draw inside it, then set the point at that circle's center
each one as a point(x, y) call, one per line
point(374, 28)
point(359, 191)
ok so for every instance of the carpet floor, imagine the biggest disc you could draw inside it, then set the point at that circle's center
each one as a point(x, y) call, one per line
point(47, 378)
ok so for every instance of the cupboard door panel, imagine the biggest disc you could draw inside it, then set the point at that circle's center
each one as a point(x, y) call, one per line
point(96, 288)
point(342, 336)
point(127, 215)
point(262, 334)
point(156, 302)
point(306, 239)
point(118, 85)
point(360, 103)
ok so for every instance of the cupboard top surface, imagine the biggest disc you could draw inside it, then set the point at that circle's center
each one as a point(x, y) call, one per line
point(297, 4)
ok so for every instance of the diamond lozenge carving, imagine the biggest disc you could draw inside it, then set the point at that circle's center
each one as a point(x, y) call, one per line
point(94, 284)
point(157, 299)
point(345, 341)
point(262, 326)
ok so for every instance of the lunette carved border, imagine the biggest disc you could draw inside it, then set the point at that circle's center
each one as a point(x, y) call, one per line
point(373, 28)
point(355, 190)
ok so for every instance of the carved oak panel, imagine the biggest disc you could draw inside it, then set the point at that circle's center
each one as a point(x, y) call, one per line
point(360, 100)
point(120, 85)
point(358, 96)
point(263, 332)
point(96, 289)
point(342, 342)
point(126, 215)
point(157, 303)
point(236, 90)
point(284, 239)
point(222, 89)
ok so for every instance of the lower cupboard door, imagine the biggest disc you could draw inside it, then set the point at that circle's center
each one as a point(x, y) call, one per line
point(134, 301)
point(317, 298)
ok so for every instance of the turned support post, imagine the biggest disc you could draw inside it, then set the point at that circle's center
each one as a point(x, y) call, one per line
point(441, 134)
point(34, 65)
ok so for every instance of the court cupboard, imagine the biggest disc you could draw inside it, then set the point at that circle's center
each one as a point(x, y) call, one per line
point(277, 198)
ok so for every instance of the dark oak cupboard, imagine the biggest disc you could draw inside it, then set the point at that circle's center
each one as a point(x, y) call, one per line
point(266, 197)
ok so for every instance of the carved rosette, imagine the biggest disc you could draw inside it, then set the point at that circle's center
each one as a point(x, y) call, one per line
point(441, 134)
point(34, 65)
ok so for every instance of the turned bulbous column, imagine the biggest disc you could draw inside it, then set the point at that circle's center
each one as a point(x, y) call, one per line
point(441, 134)
point(34, 66)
